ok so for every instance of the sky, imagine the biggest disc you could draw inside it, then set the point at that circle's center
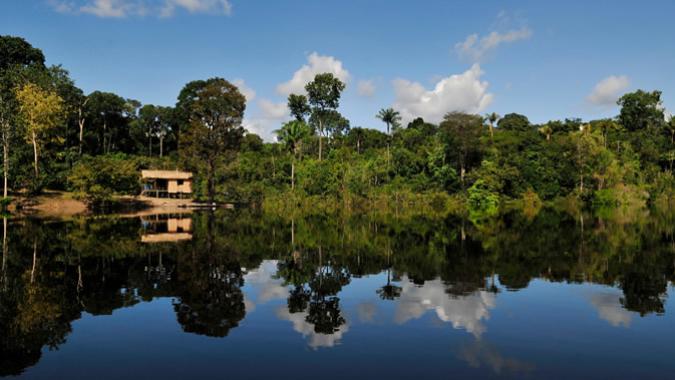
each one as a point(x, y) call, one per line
point(547, 60)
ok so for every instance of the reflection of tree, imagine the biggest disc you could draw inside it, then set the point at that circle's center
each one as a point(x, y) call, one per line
point(324, 305)
point(643, 293)
point(389, 291)
point(212, 304)
point(209, 286)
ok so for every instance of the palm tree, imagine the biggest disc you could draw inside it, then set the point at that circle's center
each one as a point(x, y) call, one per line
point(546, 130)
point(492, 119)
point(291, 134)
point(391, 118)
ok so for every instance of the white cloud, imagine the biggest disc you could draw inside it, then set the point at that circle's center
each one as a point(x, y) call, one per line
point(610, 309)
point(316, 64)
point(366, 88)
point(608, 90)
point(126, 8)
point(464, 312)
point(475, 48)
point(315, 339)
point(460, 92)
point(197, 6)
point(269, 118)
point(245, 90)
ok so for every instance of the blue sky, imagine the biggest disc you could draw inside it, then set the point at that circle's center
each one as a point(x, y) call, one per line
point(547, 60)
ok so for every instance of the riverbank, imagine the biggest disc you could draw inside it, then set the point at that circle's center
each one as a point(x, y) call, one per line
point(59, 204)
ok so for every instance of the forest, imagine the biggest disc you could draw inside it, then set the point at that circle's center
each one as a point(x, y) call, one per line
point(57, 137)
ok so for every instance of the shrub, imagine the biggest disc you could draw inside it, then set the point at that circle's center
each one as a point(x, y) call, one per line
point(96, 179)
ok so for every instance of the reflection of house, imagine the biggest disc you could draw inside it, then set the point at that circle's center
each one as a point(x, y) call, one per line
point(166, 228)
point(166, 183)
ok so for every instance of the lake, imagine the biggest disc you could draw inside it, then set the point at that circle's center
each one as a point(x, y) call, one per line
point(238, 294)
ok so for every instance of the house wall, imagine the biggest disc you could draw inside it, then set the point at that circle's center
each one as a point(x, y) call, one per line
point(174, 187)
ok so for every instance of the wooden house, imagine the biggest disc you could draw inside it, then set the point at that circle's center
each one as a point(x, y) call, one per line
point(166, 184)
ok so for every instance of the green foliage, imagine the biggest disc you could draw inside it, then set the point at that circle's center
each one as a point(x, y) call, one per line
point(96, 179)
point(483, 201)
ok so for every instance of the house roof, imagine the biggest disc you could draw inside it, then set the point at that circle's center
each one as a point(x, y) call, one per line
point(165, 174)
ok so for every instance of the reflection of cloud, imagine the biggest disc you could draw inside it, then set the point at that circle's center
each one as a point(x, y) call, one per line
point(465, 312)
point(265, 286)
point(366, 311)
point(480, 353)
point(609, 308)
point(306, 329)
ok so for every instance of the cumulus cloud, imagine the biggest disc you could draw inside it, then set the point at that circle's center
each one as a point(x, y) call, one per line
point(608, 90)
point(460, 92)
point(245, 90)
point(366, 88)
point(314, 339)
point(475, 48)
point(482, 354)
point(126, 8)
point(269, 118)
point(464, 312)
point(610, 309)
point(316, 64)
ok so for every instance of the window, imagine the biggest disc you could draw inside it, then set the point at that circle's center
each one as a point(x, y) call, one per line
point(180, 182)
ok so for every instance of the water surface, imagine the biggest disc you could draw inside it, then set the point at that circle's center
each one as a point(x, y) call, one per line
point(240, 295)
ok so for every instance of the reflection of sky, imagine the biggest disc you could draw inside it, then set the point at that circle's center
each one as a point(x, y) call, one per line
point(264, 287)
point(314, 340)
point(482, 354)
point(609, 308)
point(464, 312)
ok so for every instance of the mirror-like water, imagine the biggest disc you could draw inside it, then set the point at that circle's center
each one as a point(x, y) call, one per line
point(240, 295)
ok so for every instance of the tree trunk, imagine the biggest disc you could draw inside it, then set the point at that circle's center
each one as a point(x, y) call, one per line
point(35, 154)
point(5, 165)
point(358, 145)
point(105, 131)
point(80, 122)
point(492, 133)
point(161, 146)
point(320, 138)
point(149, 146)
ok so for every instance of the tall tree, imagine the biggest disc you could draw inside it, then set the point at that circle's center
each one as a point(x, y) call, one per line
point(107, 111)
point(391, 118)
point(214, 110)
point(514, 122)
point(292, 134)
point(462, 133)
point(324, 96)
point(42, 110)
point(492, 118)
point(15, 55)
point(641, 110)
point(298, 106)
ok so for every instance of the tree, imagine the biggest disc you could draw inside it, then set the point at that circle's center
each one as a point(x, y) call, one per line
point(215, 109)
point(324, 96)
point(15, 54)
point(16, 51)
point(155, 121)
point(514, 122)
point(41, 110)
point(292, 134)
point(462, 131)
point(107, 111)
point(546, 130)
point(492, 118)
point(298, 106)
point(641, 110)
point(390, 117)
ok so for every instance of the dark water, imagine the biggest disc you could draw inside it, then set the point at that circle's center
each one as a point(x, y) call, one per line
point(239, 295)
